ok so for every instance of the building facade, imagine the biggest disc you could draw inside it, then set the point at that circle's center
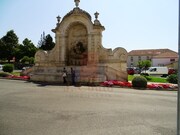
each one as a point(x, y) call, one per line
point(158, 57)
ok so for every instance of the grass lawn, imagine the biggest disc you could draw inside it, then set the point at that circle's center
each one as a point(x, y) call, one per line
point(3, 74)
point(16, 73)
point(151, 79)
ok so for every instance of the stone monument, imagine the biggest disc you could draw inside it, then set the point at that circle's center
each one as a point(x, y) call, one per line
point(78, 45)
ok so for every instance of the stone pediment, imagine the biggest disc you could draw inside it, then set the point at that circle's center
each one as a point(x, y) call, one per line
point(77, 11)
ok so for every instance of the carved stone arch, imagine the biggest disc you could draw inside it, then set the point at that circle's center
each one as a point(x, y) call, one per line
point(41, 56)
point(120, 53)
point(68, 22)
point(73, 24)
point(76, 44)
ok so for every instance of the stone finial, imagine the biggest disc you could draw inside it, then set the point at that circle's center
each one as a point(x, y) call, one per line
point(96, 15)
point(77, 2)
point(58, 19)
point(96, 21)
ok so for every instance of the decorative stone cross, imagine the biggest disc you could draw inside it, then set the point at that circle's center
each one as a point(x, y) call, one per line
point(58, 19)
point(96, 15)
point(77, 2)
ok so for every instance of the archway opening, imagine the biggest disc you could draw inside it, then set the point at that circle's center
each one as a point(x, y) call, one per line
point(77, 45)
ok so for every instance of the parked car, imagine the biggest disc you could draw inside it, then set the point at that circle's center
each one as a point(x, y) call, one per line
point(1, 67)
point(137, 70)
point(172, 71)
point(156, 71)
point(25, 68)
point(130, 71)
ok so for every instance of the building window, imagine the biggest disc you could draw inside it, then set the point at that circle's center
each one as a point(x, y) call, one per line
point(131, 59)
point(139, 57)
point(172, 60)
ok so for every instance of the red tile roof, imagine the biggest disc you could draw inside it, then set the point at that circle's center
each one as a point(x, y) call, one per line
point(154, 52)
point(167, 55)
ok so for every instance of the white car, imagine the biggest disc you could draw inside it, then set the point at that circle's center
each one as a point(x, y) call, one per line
point(156, 71)
point(1, 67)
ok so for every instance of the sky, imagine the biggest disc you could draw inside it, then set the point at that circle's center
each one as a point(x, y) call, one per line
point(130, 24)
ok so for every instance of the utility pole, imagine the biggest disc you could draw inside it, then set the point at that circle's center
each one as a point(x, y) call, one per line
point(178, 97)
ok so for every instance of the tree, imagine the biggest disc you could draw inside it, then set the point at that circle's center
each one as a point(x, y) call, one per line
point(2, 50)
point(49, 42)
point(147, 64)
point(27, 60)
point(29, 48)
point(10, 41)
point(46, 42)
point(25, 49)
point(144, 64)
point(19, 52)
point(140, 64)
point(42, 40)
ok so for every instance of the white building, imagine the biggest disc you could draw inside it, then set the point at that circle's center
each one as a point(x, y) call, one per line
point(158, 57)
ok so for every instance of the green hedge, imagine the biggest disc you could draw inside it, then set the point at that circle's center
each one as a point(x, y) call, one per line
point(8, 68)
point(139, 82)
point(173, 78)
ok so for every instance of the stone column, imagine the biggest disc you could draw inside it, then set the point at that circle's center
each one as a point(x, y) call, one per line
point(62, 50)
point(96, 55)
point(57, 47)
point(89, 49)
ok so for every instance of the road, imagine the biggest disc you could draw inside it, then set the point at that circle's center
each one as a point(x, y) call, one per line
point(27, 108)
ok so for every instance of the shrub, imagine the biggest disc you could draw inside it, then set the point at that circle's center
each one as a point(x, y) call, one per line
point(8, 68)
point(139, 82)
point(31, 60)
point(25, 59)
point(173, 78)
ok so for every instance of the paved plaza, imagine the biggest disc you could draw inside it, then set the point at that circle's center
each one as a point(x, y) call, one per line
point(27, 108)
